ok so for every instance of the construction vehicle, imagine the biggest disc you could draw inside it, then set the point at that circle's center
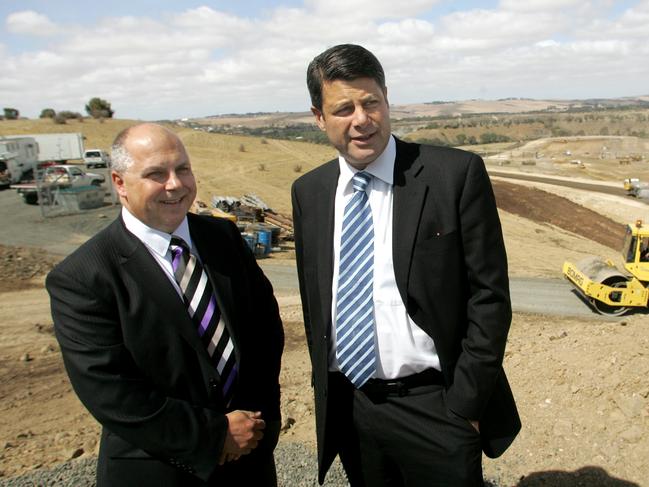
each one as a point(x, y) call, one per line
point(637, 188)
point(610, 291)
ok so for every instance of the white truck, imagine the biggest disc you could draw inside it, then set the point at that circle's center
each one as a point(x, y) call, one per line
point(18, 159)
point(56, 148)
point(96, 158)
point(54, 178)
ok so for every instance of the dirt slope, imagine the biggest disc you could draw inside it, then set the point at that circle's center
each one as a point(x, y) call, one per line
point(543, 207)
point(580, 384)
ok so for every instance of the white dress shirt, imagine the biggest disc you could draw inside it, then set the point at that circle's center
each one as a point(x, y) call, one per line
point(157, 242)
point(402, 348)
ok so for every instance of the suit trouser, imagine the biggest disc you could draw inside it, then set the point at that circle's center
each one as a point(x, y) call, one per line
point(257, 468)
point(413, 440)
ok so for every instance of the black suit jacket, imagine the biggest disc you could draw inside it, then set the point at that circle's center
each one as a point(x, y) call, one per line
point(451, 271)
point(135, 359)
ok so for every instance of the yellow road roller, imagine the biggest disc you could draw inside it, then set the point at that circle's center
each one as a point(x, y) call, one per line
point(609, 290)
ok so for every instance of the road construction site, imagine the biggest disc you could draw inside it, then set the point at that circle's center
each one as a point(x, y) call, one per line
point(579, 378)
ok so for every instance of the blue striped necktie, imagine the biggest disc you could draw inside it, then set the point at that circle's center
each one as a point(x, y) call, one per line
point(354, 305)
point(198, 296)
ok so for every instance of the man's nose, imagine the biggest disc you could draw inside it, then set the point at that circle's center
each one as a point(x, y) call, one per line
point(360, 117)
point(173, 181)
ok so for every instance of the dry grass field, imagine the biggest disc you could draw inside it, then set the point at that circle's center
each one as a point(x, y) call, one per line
point(580, 383)
point(224, 164)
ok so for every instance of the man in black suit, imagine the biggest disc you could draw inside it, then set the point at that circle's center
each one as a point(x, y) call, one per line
point(170, 332)
point(403, 277)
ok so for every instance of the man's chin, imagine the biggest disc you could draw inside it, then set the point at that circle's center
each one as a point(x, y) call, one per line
point(360, 160)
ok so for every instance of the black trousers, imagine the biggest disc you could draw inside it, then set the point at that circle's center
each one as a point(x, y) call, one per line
point(410, 440)
point(141, 470)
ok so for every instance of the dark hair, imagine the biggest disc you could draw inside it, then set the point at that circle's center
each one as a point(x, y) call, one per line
point(345, 62)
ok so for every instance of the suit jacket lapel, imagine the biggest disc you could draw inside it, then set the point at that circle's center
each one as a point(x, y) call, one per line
point(142, 267)
point(409, 196)
point(325, 199)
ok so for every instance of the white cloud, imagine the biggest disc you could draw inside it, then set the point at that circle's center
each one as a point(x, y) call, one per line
point(408, 31)
point(30, 23)
point(491, 29)
point(368, 9)
point(539, 5)
point(203, 61)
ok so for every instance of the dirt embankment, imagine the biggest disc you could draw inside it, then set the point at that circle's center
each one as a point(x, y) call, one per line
point(19, 266)
point(579, 384)
point(543, 207)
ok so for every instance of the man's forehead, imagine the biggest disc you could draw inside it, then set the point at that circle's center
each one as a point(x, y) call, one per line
point(153, 137)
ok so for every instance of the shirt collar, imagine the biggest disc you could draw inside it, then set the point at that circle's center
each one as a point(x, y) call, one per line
point(155, 239)
point(382, 167)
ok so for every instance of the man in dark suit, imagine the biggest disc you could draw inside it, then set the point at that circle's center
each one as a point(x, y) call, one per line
point(170, 332)
point(403, 277)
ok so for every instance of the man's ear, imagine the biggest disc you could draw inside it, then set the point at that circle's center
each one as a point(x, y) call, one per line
point(385, 95)
point(319, 118)
point(118, 182)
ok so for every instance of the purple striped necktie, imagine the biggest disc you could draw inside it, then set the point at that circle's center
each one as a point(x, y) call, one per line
point(198, 296)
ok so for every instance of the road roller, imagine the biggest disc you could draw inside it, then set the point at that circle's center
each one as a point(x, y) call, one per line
point(609, 290)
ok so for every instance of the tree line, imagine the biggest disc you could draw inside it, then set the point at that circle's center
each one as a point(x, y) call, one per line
point(96, 107)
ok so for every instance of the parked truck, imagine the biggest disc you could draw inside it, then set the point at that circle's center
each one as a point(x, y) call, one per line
point(18, 159)
point(96, 158)
point(56, 148)
point(58, 177)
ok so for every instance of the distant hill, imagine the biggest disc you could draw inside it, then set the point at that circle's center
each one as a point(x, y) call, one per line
point(434, 109)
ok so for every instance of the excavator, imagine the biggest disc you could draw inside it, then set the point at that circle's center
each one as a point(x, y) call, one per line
point(609, 290)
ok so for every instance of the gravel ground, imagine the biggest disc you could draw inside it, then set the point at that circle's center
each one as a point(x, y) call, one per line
point(296, 467)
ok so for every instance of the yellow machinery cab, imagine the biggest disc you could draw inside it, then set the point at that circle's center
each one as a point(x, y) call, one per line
point(636, 251)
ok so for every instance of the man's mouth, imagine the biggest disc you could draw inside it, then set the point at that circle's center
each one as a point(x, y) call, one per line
point(362, 138)
point(174, 201)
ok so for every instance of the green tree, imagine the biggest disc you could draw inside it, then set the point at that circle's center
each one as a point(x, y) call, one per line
point(98, 108)
point(67, 114)
point(48, 113)
point(491, 137)
point(11, 113)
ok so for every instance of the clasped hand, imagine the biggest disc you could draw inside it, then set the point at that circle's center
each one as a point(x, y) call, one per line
point(245, 430)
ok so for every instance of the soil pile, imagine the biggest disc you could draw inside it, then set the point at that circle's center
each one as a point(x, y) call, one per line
point(20, 265)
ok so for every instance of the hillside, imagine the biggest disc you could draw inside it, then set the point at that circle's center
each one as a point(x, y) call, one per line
point(437, 109)
point(224, 164)
point(585, 414)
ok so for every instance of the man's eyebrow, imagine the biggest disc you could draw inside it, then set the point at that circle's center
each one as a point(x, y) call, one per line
point(341, 103)
point(151, 169)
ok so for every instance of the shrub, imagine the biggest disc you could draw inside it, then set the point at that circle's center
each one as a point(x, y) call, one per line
point(48, 113)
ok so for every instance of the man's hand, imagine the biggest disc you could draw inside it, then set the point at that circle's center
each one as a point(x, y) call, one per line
point(245, 430)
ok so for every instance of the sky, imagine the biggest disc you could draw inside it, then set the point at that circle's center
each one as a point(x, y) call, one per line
point(166, 59)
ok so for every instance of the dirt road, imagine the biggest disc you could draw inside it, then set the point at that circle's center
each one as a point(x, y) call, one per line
point(580, 383)
point(616, 190)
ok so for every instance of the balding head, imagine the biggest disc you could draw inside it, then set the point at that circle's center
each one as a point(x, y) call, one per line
point(139, 134)
point(153, 176)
